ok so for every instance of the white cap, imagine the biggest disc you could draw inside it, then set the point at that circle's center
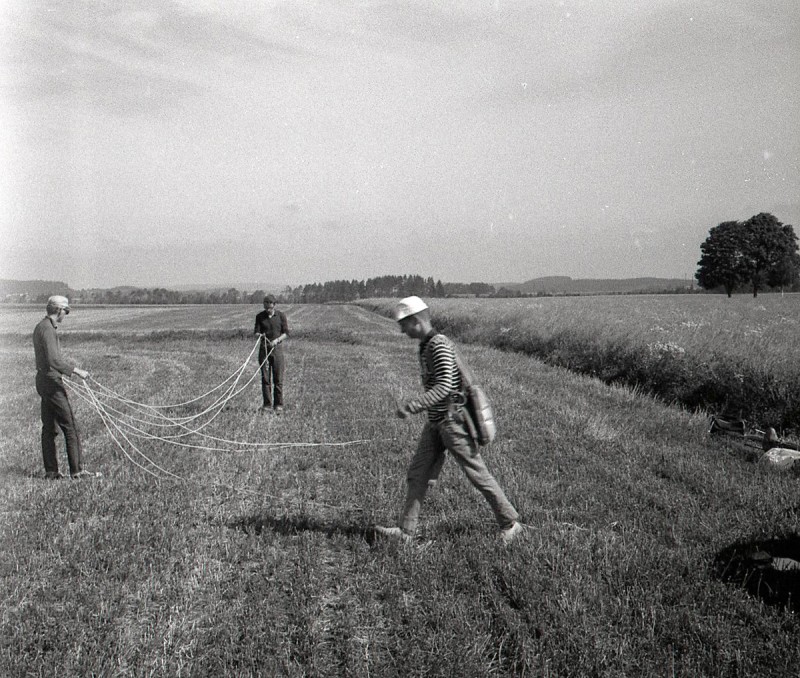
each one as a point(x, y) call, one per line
point(408, 306)
point(57, 301)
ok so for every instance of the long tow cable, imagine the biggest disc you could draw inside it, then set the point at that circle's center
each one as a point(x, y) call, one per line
point(122, 425)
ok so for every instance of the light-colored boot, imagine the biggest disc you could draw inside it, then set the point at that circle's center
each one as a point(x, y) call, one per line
point(511, 533)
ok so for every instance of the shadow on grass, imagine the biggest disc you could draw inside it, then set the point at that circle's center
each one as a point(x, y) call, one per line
point(767, 569)
point(293, 525)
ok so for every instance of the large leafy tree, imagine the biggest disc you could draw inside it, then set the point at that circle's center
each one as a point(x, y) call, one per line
point(721, 261)
point(770, 249)
point(757, 252)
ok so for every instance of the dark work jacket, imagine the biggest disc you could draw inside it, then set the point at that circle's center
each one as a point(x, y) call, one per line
point(50, 365)
point(271, 327)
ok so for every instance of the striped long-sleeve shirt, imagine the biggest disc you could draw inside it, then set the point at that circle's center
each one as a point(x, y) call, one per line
point(440, 376)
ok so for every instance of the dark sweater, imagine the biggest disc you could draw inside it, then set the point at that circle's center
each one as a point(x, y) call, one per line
point(46, 348)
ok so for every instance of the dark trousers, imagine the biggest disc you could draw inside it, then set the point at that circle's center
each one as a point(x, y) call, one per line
point(272, 376)
point(57, 416)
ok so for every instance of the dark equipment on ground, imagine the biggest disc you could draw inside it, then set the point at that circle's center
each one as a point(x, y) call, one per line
point(738, 428)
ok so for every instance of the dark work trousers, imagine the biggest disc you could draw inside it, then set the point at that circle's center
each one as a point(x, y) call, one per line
point(272, 376)
point(57, 415)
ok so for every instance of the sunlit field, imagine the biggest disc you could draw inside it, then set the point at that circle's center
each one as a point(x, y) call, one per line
point(739, 356)
point(765, 327)
point(136, 319)
point(259, 559)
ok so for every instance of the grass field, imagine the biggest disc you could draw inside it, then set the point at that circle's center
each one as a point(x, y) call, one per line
point(739, 356)
point(262, 561)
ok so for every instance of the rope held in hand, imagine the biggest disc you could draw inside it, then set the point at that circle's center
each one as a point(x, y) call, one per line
point(123, 424)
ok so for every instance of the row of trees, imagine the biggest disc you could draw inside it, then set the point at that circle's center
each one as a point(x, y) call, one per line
point(384, 286)
point(160, 295)
point(350, 290)
point(757, 253)
point(336, 290)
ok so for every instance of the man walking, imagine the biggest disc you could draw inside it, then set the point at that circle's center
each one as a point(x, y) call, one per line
point(445, 429)
point(273, 328)
point(56, 409)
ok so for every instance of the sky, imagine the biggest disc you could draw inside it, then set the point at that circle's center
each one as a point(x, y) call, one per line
point(182, 142)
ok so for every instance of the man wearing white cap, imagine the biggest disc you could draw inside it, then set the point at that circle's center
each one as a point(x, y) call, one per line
point(445, 429)
point(56, 409)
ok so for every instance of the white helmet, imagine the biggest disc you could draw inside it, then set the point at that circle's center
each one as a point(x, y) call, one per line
point(57, 301)
point(408, 306)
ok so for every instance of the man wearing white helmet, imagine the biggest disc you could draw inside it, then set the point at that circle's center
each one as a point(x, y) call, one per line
point(445, 429)
point(56, 409)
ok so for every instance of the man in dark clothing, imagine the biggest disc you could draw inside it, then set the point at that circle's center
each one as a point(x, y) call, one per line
point(56, 409)
point(273, 328)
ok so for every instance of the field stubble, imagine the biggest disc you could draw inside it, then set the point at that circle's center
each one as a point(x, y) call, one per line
point(262, 562)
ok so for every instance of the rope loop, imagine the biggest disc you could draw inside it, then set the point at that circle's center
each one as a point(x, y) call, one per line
point(125, 419)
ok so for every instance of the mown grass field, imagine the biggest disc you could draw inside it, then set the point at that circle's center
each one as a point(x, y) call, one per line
point(262, 561)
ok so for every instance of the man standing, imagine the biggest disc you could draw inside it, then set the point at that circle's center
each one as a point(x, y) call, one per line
point(273, 328)
point(444, 430)
point(56, 409)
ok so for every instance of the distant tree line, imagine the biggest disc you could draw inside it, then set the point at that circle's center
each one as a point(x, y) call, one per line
point(161, 295)
point(314, 293)
point(350, 290)
point(383, 286)
point(759, 253)
point(141, 295)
